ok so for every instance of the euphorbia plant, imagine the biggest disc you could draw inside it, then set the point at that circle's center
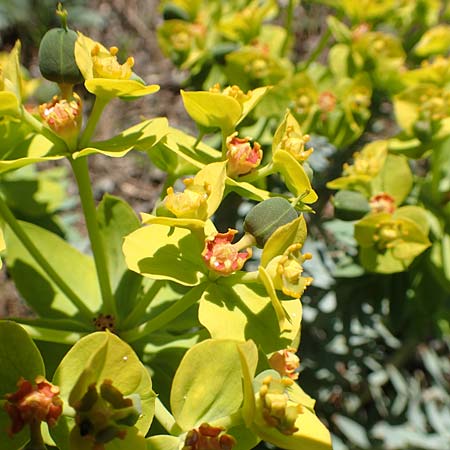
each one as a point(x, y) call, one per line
point(178, 284)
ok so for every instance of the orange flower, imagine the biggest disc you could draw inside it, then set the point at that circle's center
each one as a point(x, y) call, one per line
point(286, 363)
point(382, 202)
point(208, 437)
point(38, 402)
point(242, 157)
point(222, 256)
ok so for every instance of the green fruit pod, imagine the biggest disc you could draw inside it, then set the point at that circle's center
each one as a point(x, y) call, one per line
point(266, 217)
point(350, 205)
point(171, 11)
point(57, 57)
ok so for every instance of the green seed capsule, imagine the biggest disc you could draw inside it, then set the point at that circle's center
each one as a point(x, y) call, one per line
point(266, 217)
point(350, 205)
point(171, 11)
point(57, 58)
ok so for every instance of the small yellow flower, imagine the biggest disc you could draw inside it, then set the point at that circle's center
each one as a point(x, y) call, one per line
point(106, 65)
point(191, 203)
point(278, 410)
point(388, 234)
point(368, 162)
point(232, 91)
point(294, 143)
point(290, 269)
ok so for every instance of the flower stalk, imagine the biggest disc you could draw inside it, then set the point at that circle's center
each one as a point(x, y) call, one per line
point(81, 172)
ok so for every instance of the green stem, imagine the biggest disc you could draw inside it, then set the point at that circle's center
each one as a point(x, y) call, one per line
point(319, 48)
point(165, 317)
point(239, 277)
point(138, 311)
point(94, 117)
point(288, 26)
point(17, 229)
point(81, 172)
point(225, 134)
point(257, 174)
point(40, 128)
point(166, 419)
point(36, 440)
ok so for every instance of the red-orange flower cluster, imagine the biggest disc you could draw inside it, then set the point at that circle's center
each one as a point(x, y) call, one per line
point(207, 437)
point(222, 256)
point(38, 402)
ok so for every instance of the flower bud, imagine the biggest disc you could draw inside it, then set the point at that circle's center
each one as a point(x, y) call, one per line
point(350, 205)
point(242, 157)
point(57, 54)
point(63, 117)
point(286, 363)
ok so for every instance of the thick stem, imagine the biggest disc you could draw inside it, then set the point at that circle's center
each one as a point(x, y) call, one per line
point(81, 172)
point(165, 317)
point(17, 229)
point(166, 419)
point(94, 117)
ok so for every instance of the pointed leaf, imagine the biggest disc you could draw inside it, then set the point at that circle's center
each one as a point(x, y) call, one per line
point(292, 233)
point(142, 136)
point(294, 176)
